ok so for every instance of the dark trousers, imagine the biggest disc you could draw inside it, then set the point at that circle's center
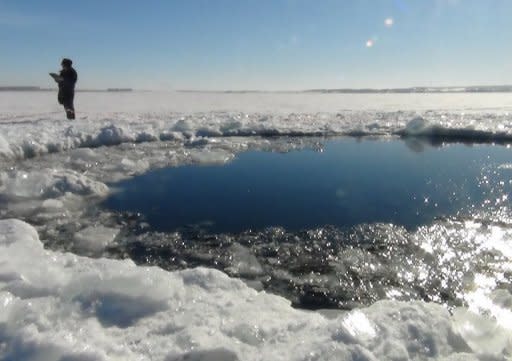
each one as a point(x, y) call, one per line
point(66, 98)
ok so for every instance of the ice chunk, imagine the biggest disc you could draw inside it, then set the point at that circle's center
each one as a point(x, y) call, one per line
point(16, 231)
point(482, 333)
point(182, 125)
point(217, 354)
point(418, 126)
point(52, 204)
point(112, 135)
point(243, 262)
point(217, 156)
point(84, 155)
point(5, 150)
point(130, 166)
point(93, 240)
point(145, 136)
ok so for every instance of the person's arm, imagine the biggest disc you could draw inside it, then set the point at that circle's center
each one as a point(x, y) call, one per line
point(58, 78)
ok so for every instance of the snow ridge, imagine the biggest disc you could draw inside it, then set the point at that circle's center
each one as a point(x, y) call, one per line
point(35, 137)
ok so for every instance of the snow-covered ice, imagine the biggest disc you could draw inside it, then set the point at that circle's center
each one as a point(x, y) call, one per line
point(110, 119)
point(56, 305)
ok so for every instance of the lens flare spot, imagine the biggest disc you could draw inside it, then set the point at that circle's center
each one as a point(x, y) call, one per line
point(389, 22)
point(369, 43)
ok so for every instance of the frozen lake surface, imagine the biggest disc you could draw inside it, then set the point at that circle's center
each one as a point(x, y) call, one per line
point(37, 127)
point(344, 182)
point(79, 281)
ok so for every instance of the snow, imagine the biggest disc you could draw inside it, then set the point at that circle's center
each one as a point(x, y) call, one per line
point(59, 306)
point(105, 119)
point(49, 184)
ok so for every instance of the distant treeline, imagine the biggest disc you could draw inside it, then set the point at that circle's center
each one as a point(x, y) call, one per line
point(36, 88)
point(470, 89)
point(467, 89)
point(21, 88)
point(119, 89)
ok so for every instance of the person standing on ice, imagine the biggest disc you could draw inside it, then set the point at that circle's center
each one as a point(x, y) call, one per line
point(66, 79)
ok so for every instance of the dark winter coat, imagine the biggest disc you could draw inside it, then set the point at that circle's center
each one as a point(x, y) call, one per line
point(67, 85)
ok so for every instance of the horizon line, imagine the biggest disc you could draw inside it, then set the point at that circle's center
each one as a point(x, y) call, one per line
point(412, 89)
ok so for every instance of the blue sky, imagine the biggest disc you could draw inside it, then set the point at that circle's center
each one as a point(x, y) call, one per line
point(258, 44)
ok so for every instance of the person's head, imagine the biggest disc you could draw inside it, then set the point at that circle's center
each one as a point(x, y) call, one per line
point(66, 63)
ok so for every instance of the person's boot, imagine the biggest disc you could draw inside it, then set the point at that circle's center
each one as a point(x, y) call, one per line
point(70, 114)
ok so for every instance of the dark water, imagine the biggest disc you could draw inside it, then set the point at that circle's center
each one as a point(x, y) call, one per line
point(347, 183)
point(375, 193)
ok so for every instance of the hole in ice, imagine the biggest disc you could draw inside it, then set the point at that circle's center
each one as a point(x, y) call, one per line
point(346, 183)
point(349, 183)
